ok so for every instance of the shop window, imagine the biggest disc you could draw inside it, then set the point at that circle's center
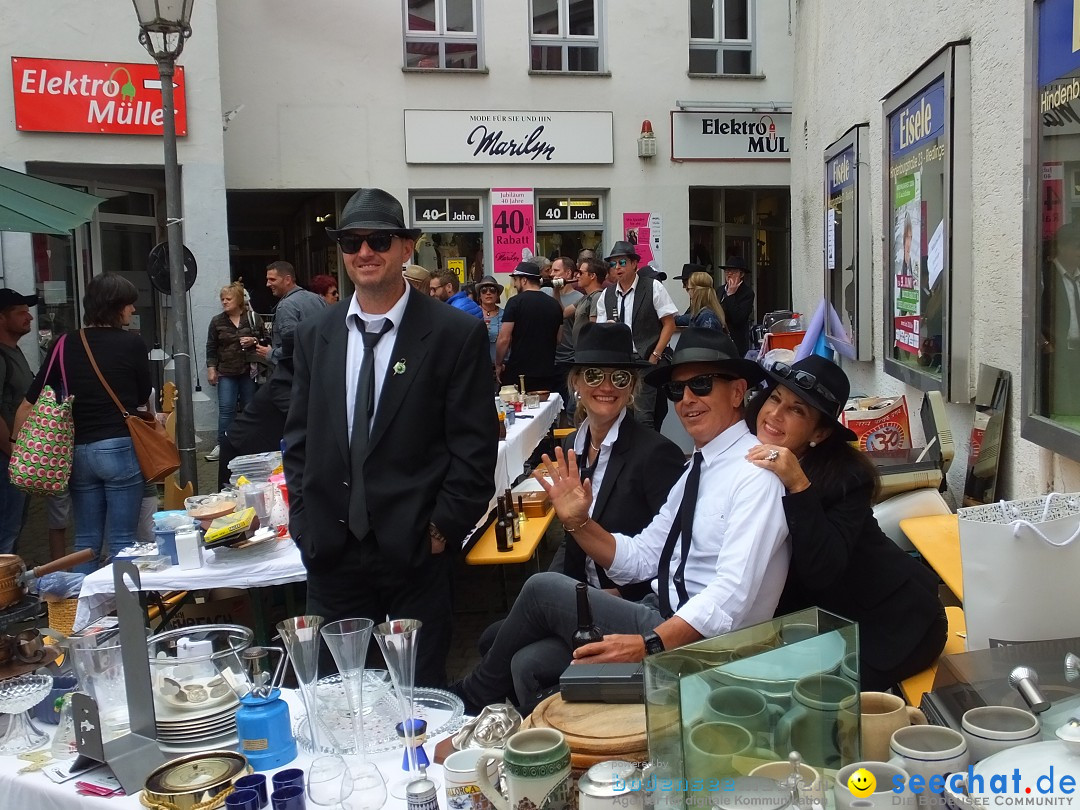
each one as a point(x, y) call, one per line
point(567, 223)
point(443, 34)
point(721, 37)
point(1051, 382)
point(453, 233)
point(927, 162)
point(848, 240)
point(565, 36)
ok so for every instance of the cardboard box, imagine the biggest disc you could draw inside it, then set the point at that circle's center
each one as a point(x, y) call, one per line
point(221, 606)
point(535, 504)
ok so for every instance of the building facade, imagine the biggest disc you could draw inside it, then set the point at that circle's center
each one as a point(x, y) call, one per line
point(933, 191)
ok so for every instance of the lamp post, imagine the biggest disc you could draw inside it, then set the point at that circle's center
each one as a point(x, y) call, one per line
point(164, 25)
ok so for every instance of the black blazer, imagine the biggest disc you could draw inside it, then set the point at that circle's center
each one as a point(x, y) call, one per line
point(739, 311)
point(433, 444)
point(844, 563)
point(640, 473)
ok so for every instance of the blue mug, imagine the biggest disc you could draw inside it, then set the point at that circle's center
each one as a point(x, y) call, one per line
point(288, 798)
point(242, 800)
point(256, 782)
point(288, 777)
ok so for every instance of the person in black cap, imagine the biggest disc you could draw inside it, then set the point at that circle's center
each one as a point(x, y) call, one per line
point(390, 440)
point(737, 299)
point(644, 304)
point(841, 560)
point(16, 320)
point(529, 333)
point(717, 547)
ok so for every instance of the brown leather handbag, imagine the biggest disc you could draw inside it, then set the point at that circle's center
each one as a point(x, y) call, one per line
point(157, 454)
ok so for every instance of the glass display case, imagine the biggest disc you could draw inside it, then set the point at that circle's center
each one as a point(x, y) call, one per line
point(720, 708)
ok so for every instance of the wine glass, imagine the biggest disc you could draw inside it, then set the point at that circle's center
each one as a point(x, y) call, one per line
point(329, 782)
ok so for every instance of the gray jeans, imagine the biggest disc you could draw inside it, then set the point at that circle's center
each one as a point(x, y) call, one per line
point(532, 645)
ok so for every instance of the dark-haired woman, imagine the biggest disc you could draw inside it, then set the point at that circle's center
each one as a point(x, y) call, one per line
point(106, 483)
point(841, 561)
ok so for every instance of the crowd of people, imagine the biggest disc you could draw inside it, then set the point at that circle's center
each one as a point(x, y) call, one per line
point(383, 405)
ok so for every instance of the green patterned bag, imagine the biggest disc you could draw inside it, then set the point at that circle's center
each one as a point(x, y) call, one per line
point(41, 454)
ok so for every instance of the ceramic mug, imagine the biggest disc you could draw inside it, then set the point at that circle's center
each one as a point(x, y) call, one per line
point(459, 773)
point(989, 729)
point(929, 751)
point(883, 797)
point(744, 707)
point(715, 749)
point(882, 714)
point(536, 771)
point(811, 785)
point(822, 723)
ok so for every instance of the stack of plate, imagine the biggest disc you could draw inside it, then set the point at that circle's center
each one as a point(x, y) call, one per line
point(254, 467)
point(182, 731)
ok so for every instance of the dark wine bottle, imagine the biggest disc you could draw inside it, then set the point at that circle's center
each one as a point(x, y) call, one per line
point(586, 632)
point(522, 517)
point(515, 526)
point(502, 540)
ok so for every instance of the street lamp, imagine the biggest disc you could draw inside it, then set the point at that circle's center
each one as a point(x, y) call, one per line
point(164, 25)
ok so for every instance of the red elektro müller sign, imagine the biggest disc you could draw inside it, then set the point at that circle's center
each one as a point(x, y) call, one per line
point(115, 98)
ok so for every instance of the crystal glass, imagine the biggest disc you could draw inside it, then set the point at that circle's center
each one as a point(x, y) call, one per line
point(397, 639)
point(100, 668)
point(329, 782)
point(348, 640)
point(301, 638)
point(17, 697)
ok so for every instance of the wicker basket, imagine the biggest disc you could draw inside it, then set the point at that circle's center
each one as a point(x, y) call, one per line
point(62, 614)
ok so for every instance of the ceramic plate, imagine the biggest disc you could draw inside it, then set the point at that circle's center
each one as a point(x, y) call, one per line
point(227, 741)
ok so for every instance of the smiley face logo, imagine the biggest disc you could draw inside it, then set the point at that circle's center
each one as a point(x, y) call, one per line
point(861, 783)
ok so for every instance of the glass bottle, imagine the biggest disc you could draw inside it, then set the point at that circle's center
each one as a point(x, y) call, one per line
point(515, 526)
point(502, 542)
point(63, 742)
point(586, 632)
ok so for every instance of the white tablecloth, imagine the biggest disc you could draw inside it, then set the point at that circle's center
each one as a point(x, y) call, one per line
point(37, 792)
point(96, 596)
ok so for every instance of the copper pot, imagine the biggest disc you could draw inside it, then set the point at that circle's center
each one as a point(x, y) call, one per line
point(12, 571)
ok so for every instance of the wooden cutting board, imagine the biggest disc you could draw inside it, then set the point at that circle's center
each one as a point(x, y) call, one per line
point(595, 732)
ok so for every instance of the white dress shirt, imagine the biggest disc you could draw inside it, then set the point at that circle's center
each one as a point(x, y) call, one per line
point(661, 300)
point(1069, 282)
point(384, 350)
point(597, 477)
point(739, 553)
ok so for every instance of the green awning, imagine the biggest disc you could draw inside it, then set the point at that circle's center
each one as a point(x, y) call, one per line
point(30, 205)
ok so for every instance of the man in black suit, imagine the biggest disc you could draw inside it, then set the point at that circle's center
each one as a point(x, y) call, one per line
point(737, 299)
point(391, 438)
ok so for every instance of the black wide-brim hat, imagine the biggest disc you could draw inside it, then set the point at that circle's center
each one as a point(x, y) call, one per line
point(827, 375)
point(376, 210)
point(622, 248)
point(610, 345)
point(704, 345)
point(736, 263)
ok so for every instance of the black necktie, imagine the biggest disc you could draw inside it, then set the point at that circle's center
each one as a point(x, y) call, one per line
point(363, 408)
point(622, 306)
point(682, 525)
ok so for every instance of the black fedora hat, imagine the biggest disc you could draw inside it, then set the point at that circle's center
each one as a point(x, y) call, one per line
point(735, 263)
point(622, 248)
point(607, 344)
point(820, 383)
point(373, 209)
point(689, 270)
point(527, 269)
point(704, 345)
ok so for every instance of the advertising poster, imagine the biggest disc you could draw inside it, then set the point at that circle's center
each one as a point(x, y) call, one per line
point(907, 237)
point(645, 232)
point(1053, 192)
point(513, 228)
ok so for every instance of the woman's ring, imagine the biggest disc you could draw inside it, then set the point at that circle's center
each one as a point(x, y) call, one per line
point(773, 455)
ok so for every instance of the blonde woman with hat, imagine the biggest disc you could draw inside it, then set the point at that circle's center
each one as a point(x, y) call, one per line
point(841, 561)
point(705, 310)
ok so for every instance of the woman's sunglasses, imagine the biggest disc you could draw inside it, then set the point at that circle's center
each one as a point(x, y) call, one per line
point(379, 241)
point(701, 385)
point(805, 380)
point(620, 377)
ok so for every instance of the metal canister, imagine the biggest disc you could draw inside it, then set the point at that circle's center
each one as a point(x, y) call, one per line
point(420, 794)
point(607, 785)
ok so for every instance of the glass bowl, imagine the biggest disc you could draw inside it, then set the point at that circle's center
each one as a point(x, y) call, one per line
point(197, 668)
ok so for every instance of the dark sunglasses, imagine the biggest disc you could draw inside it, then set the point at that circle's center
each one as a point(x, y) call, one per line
point(378, 241)
point(701, 385)
point(805, 380)
point(619, 263)
point(620, 377)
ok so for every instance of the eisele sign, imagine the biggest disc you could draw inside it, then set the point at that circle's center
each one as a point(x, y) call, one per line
point(719, 135)
point(523, 137)
point(114, 98)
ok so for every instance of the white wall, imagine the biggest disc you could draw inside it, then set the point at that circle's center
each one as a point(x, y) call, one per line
point(323, 104)
point(849, 54)
point(107, 30)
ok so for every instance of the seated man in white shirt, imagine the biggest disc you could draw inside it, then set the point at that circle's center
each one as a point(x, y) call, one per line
point(728, 573)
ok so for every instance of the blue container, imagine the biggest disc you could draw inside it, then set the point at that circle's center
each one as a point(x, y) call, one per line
point(166, 538)
point(46, 710)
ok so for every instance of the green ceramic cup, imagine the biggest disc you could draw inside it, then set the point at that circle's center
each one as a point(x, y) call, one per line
point(536, 771)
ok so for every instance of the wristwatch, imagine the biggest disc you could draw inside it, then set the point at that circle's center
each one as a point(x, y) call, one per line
point(653, 644)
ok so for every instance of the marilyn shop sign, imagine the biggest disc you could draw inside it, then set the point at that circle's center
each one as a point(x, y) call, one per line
point(507, 137)
point(718, 135)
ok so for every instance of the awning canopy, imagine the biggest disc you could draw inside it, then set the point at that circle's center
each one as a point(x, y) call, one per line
point(30, 205)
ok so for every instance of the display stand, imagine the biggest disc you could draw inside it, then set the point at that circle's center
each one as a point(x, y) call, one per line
point(134, 755)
